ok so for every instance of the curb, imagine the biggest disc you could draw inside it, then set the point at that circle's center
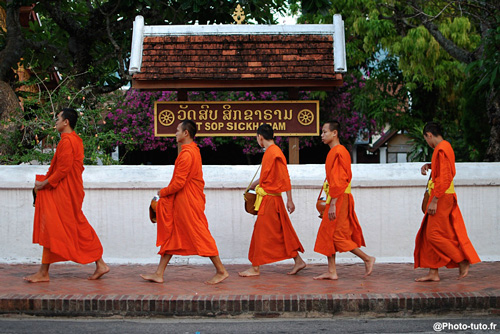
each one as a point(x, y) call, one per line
point(314, 305)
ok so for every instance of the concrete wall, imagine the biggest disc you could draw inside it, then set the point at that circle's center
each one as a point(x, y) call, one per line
point(387, 198)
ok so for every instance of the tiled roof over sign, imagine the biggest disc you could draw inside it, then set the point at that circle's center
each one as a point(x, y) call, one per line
point(238, 56)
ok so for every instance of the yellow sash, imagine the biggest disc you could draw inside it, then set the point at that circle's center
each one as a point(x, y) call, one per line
point(260, 196)
point(450, 190)
point(326, 189)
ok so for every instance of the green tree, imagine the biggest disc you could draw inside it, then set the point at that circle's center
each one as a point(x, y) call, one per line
point(36, 136)
point(432, 42)
point(88, 41)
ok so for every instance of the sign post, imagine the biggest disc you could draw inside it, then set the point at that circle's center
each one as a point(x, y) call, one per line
point(293, 142)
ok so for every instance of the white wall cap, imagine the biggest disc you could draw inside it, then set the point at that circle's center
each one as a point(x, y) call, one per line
point(239, 29)
point(229, 176)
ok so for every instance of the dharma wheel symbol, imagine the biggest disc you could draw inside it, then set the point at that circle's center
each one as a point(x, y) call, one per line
point(166, 117)
point(305, 117)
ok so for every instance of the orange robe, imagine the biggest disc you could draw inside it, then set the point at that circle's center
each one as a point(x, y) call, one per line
point(442, 239)
point(60, 225)
point(273, 238)
point(182, 227)
point(344, 233)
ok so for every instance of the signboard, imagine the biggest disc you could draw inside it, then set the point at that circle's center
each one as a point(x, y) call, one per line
point(238, 118)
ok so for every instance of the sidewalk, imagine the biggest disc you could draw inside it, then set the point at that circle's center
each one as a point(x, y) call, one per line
point(389, 291)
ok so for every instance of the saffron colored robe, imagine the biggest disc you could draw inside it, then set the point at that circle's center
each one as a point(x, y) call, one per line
point(442, 239)
point(344, 233)
point(182, 227)
point(60, 225)
point(274, 238)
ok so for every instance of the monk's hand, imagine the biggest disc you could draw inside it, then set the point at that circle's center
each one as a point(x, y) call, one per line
point(290, 205)
point(332, 211)
point(39, 185)
point(425, 168)
point(254, 184)
point(433, 206)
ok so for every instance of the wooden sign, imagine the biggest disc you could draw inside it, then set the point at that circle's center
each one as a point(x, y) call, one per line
point(238, 118)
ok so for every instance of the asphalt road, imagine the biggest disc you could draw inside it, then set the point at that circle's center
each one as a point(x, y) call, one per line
point(30, 325)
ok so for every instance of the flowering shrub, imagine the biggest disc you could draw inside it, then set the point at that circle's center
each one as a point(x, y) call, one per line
point(339, 105)
point(134, 118)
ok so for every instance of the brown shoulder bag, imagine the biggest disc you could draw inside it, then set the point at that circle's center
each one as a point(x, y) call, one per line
point(321, 202)
point(425, 200)
point(250, 196)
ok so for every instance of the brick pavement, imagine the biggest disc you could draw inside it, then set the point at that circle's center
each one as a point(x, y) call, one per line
point(390, 291)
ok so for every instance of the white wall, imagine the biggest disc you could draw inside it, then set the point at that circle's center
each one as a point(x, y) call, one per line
point(387, 198)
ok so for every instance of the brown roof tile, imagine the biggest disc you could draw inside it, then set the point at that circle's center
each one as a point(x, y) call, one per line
point(237, 57)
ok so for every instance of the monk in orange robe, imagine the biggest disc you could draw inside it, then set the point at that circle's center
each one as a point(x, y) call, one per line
point(339, 230)
point(442, 239)
point(274, 238)
point(60, 225)
point(182, 228)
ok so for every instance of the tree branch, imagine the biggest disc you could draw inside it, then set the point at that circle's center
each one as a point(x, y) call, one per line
point(455, 51)
point(110, 88)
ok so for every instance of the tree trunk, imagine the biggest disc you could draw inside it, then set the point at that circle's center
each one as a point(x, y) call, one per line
point(9, 106)
point(9, 103)
point(493, 110)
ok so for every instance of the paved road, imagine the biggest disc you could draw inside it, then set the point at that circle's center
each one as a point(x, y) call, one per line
point(155, 326)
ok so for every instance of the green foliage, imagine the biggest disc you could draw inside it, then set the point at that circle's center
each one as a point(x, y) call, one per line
point(476, 129)
point(454, 133)
point(32, 136)
point(485, 73)
point(340, 105)
point(93, 37)
point(416, 80)
point(483, 78)
point(89, 43)
point(420, 150)
point(385, 97)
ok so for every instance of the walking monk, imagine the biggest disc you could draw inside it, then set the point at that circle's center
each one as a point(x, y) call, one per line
point(339, 230)
point(182, 228)
point(274, 238)
point(60, 225)
point(442, 239)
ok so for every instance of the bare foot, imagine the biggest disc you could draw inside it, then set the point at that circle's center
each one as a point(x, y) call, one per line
point(432, 276)
point(369, 266)
point(153, 278)
point(427, 278)
point(249, 272)
point(100, 270)
point(37, 278)
point(297, 267)
point(219, 277)
point(463, 269)
point(330, 276)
